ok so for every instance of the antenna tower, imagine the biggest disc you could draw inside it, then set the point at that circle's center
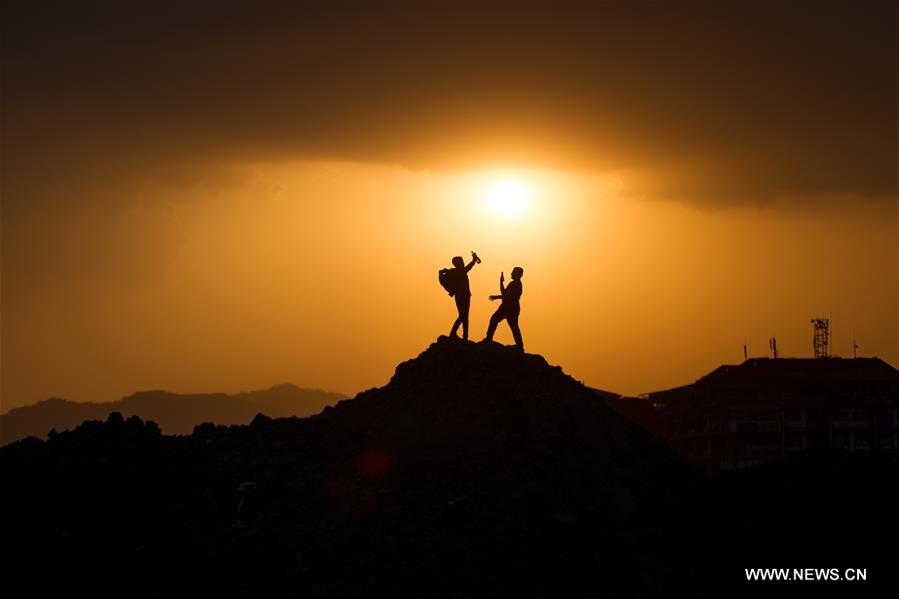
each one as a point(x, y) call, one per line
point(821, 338)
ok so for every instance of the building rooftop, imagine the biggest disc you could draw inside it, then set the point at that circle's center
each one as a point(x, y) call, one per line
point(786, 373)
point(755, 371)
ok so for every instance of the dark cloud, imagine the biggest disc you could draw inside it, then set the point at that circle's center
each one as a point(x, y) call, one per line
point(713, 102)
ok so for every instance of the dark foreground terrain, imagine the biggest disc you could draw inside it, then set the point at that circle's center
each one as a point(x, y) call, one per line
point(477, 471)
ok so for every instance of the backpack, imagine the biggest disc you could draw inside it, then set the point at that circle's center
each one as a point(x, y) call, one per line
point(446, 281)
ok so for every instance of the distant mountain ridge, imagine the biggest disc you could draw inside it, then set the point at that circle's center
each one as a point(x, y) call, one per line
point(175, 413)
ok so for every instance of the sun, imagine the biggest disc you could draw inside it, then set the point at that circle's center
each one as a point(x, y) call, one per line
point(508, 198)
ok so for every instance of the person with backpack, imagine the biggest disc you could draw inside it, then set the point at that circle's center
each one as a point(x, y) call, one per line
point(510, 307)
point(455, 281)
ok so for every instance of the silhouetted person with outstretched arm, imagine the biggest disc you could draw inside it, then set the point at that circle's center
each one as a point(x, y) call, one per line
point(460, 290)
point(510, 307)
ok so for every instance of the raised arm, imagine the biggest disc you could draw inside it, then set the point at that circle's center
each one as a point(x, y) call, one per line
point(502, 288)
point(474, 260)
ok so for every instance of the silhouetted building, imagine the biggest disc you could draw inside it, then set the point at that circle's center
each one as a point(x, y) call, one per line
point(762, 409)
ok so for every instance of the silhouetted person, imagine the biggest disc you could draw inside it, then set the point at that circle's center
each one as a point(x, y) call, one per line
point(458, 283)
point(510, 307)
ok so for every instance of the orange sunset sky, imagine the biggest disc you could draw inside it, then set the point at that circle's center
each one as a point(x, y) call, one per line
point(225, 196)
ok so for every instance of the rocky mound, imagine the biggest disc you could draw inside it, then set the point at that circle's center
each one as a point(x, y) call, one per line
point(476, 470)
